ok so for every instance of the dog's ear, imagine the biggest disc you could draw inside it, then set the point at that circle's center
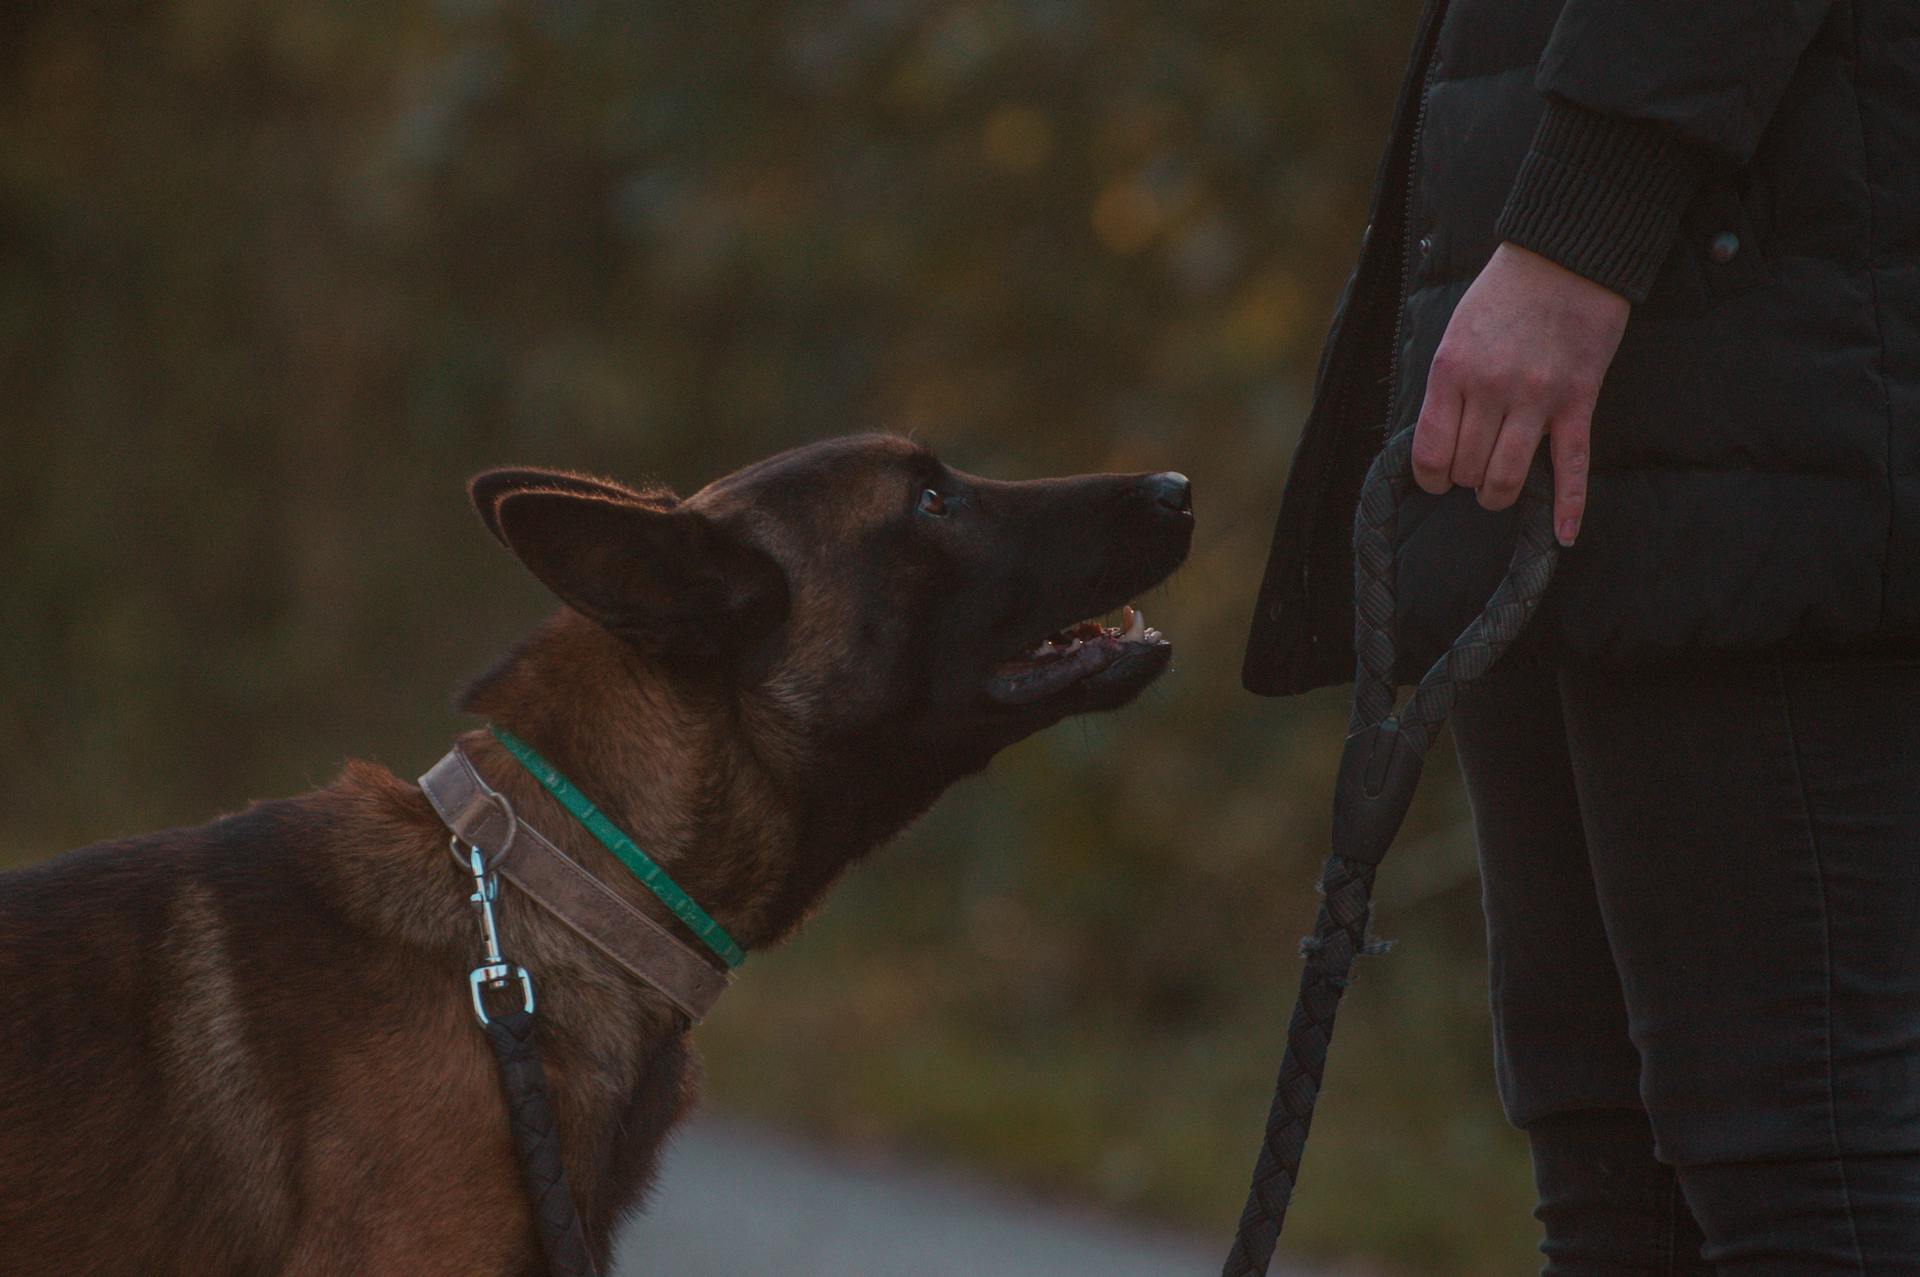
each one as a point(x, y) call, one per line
point(670, 581)
point(487, 488)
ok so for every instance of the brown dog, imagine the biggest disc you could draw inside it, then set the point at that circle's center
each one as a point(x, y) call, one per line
point(247, 1048)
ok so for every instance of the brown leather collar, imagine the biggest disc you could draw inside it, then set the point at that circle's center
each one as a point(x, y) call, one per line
point(481, 817)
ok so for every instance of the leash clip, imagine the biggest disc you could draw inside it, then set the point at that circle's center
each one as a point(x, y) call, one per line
point(496, 972)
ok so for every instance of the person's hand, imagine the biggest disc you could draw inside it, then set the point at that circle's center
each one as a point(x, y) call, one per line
point(1524, 355)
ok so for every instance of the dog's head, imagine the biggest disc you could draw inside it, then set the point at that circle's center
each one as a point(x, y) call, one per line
point(867, 593)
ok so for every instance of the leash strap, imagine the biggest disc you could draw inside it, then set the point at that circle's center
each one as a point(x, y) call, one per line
point(1379, 770)
point(523, 1084)
point(481, 817)
point(537, 1139)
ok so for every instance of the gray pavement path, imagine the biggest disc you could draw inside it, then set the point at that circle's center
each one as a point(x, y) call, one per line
point(737, 1201)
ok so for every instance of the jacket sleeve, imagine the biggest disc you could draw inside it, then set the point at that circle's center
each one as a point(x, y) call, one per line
point(1646, 98)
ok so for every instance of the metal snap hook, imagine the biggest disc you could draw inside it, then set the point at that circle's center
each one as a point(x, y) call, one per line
point(495, 972)
point(496, 976)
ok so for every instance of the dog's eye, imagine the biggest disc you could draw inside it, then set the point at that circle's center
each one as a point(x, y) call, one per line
point(932, 503)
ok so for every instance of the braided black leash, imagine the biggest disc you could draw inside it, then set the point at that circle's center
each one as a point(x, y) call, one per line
point(537, 1138)
point(1379, 770)
point(523, 1082)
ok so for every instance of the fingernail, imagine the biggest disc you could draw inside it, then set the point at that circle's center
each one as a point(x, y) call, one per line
point(1569, 528)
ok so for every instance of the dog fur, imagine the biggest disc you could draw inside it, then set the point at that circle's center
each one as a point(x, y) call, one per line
point(246, 1048)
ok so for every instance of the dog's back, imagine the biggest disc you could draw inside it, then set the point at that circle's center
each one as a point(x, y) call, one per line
point(179, 1086)
point(126, 1008)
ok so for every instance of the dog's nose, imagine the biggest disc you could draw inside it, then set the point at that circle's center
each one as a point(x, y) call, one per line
point(1171, 489)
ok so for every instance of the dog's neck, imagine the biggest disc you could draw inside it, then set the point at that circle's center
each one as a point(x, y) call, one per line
point(752, 817)
point(669, 759)
point(726, 791)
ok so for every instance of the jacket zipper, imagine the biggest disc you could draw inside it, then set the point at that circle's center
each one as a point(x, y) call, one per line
point(1408, 241)
point(1427, 44)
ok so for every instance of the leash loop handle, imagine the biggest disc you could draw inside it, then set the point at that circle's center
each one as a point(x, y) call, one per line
point(1379, 770)
point(1381, 763)
point(1485, 638)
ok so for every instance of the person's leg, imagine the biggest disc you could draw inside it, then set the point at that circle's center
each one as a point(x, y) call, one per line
point(1567, 1072)
point(1755, 837)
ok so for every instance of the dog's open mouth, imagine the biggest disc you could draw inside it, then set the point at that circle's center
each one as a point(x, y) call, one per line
point(1067, 658)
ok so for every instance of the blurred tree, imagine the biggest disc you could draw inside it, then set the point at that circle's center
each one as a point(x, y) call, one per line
point(275, 278)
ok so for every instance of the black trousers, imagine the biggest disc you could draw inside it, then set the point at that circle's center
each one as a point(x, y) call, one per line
point(1702, 891)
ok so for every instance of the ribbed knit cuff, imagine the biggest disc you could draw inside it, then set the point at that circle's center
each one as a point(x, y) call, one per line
point(1602, 196)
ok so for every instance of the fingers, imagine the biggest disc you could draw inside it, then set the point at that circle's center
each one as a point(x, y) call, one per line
point(1568, 437)
point(1511, 458)
point(1434, 435)
point(1480, 426)
point(1470, 440)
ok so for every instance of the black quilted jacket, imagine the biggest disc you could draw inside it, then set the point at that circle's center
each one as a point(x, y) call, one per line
point(1747, 172)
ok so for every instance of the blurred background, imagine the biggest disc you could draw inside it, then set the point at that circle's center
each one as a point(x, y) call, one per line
point(276, 278)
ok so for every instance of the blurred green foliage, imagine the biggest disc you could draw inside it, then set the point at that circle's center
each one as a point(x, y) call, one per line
point(275, 278)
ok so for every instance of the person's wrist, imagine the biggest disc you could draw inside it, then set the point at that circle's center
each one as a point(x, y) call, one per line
point(1572, 289)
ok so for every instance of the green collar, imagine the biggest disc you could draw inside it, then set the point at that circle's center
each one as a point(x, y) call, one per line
point(642, 866)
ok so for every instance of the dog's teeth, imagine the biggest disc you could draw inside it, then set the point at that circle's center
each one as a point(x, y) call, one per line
point(1136, 627)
